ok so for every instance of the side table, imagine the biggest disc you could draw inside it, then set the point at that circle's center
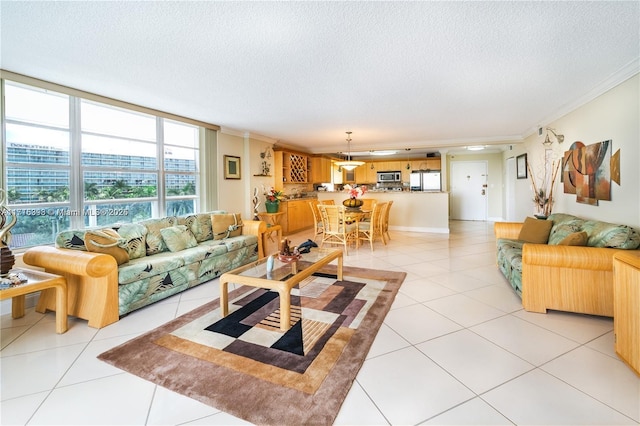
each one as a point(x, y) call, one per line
point(626, 307)
point(272, 219)
point(36, 281)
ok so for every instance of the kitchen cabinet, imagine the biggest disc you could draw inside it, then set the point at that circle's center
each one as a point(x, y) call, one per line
point(367, 173)
point(298, 216)
point(289, 167)
point(361, 174)
point(337, 177)
point(320, 171)
point(431, 163)
point(372, 172)
point(626, 307)
point(349, 176)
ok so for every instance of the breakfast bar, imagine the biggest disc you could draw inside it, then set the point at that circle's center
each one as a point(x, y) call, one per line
point(411, 211)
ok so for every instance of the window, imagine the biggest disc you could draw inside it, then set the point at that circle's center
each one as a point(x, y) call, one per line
point(72, 162)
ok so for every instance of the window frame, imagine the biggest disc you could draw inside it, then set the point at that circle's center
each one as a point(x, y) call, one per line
point(76, 169)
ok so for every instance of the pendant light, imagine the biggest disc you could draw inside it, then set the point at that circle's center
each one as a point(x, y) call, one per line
point(349, 164)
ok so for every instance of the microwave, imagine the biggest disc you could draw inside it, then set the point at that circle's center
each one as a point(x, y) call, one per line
point(389, 176)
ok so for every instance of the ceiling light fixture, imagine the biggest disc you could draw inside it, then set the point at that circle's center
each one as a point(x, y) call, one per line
point(547, 142)
point(384, 152)
point(349, 164)
point(475, 148)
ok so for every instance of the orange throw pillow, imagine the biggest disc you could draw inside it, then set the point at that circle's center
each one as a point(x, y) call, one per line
point(575, 239)
point(106, 241)
point(226, 225)
point(535, 230)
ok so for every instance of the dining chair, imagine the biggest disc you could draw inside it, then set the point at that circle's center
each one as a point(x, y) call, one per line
point(317, 221)
point(368, 203)
point(336, 230)
point(385, 223)
point(372, 229)
point(328, 202)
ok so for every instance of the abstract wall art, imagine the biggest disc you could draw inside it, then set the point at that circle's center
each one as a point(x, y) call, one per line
point(587, 171)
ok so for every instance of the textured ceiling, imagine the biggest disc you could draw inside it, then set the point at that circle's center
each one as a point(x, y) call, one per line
point(397, 74)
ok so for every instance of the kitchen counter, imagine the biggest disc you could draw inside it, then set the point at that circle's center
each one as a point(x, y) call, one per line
point(411, 211)
point(308, 197)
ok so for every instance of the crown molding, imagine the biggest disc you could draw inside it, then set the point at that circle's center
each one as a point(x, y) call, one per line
point(623, 74)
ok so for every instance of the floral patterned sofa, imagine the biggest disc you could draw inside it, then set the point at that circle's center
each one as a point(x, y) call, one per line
point(571, 271)
point(111, 272)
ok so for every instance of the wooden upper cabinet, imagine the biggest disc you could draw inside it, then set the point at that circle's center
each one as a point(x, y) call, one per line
point(295, 168)
point(361, 173)
point(431, 163)
point(320, 170)
point(372, 172)
point(278, 170)
point(349, 176)
point(290, 167)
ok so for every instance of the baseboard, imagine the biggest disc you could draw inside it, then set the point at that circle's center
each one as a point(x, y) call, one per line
point(419, 229)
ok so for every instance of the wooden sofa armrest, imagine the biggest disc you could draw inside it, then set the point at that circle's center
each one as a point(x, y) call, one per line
point(92, 282)
point(257, 228)
point(578, 257)
point(74, 262)
point(510, 230)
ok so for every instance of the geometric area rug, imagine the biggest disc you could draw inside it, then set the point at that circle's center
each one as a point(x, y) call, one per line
point(243, 364)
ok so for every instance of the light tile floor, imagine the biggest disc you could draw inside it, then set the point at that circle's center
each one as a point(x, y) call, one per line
point(456, 348)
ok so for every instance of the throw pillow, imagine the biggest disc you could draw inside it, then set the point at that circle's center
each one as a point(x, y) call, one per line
point(226, 225)
point(199, 224)
point(135, 236)
point(106, 241)
point(178, 238)
point(575, 239)
point(154, 242)
point(535, 230)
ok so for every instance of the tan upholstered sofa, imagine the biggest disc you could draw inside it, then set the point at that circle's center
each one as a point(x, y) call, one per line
point(564, 277)
point(162, 257)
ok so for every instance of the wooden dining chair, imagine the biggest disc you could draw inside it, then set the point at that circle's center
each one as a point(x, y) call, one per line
point(368, 203)
point(328, 202)
point(317, 220)
point(372, 229)
point(335, 229)
point(385, 223)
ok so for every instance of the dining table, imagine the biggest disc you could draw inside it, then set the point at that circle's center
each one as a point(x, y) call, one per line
point(355, 216)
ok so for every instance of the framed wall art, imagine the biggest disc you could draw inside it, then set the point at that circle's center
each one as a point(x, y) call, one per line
point(231, 167)
point(521, 166)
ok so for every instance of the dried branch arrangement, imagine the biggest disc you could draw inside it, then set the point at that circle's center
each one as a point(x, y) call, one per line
point(543, 194)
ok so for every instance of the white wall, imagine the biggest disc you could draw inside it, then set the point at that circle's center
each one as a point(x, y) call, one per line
point(231, 192)
point(615, 116)
point(235, 195)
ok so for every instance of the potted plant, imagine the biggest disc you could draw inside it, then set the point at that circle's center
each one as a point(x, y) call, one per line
point(272, 200)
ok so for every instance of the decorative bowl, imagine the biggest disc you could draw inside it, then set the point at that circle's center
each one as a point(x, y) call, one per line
point(289, 259)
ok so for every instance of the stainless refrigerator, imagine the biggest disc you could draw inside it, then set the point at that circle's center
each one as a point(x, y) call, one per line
point(425, 181)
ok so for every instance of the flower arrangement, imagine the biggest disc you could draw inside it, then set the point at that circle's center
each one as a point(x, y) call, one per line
point(273, 196)
point(355, 191)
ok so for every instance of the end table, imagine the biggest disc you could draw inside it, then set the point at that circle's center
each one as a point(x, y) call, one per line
point(36, 281)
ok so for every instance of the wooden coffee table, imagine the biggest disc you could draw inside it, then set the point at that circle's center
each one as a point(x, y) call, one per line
point(36, 281)
point(282, 279)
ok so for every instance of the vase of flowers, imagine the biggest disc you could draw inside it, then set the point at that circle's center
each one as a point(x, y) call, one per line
point(272, 200)
point(354, 192)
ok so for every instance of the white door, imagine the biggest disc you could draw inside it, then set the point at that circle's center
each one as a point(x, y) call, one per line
point(468, 191)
